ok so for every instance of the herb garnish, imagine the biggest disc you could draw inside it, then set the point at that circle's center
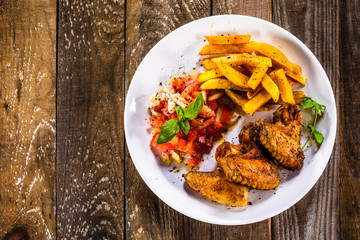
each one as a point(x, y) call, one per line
point(319, 109)
point(172, 126)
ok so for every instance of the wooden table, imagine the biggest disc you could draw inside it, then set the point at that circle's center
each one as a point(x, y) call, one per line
point(65, 68)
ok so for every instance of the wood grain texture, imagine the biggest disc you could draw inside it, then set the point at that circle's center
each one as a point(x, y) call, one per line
point(27, 119)
point(256, 8)
point(260, 9)
point(147, 217)
point(90, 135)
point(317, 24)
point(350, 118)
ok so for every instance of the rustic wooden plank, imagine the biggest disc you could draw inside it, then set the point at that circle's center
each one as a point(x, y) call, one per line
point(349, 114)
point(256, 8)
point(90, 142)
point(316, 23)
point(147, 216)
point(260, 9)
point(27, 119)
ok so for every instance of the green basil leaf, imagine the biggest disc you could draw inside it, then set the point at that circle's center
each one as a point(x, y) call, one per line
point(185, 126)
point(194, 108)
point(180, 112)
point(168, 131)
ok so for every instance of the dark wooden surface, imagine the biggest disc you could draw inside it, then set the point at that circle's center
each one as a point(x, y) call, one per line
point(65, 67)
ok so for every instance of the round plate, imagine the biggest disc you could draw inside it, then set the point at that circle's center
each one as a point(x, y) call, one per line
point(178, 52)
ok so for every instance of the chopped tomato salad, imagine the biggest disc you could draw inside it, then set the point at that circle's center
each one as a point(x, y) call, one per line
point(204, 129)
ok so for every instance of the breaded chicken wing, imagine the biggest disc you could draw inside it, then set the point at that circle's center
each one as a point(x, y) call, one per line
point(252, 169)
point(282, 139)
point(217, 187)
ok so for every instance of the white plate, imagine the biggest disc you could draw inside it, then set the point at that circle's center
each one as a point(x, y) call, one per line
point(177, 52)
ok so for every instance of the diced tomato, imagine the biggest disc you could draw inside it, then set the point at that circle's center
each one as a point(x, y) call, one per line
point(181, 134)
point(172, 115)
point(190, 81)
point(186, 146)
point(160, 106)
point(211, 132)
point(179, 84)
point(206, 112)
point(192, 135)
point(217, 126)
point(189, 90)
point(202, 130)
point(213, 105)
point(226, 115)
point(196, 122)
point(163, 117)
point(193, 162)
point(194, 93)
point(209, 141)
point(155, 123)
point(165, 147)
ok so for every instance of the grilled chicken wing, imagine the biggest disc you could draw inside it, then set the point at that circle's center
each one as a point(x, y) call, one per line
point(248, 138)
point(282, 139)
point(252, 169)
point(217, 187)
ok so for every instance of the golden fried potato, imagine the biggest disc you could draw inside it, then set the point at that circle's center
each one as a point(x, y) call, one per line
point(282, 82)
point(225, 48)
point(220, 83)
point(209, 75)
point(233, 75)
point(233, 39)
point(236, 60)
point(272, 52)
point(257, 75)
point(256, 102)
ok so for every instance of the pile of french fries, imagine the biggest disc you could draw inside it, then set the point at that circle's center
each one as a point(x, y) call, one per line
point(252, 74)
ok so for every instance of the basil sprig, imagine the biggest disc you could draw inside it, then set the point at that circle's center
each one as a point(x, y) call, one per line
point(172, 126)
point(319, 109)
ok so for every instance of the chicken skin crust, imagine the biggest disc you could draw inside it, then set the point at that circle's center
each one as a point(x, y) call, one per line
point(248, 138)
point(218, 188)
point(282, 139)
point(251, 169)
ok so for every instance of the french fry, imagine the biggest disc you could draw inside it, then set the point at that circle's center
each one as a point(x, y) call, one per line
point(272, 52)
point(296, 69)
point(297, 97)
point(232, 75)
point(240, 101)
point(236, 98)
point(242, 69)
point(284, 86)
point(236, 59)
point(209, 64)
point(270, 86)
point(257, 75)
point(220, 83)
point(209, 75)
point(253, 73)
point(233, 39)
point(296, 77)
point(251, 93)
point(267, 83)
point(225, 48)
point(256, 102)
